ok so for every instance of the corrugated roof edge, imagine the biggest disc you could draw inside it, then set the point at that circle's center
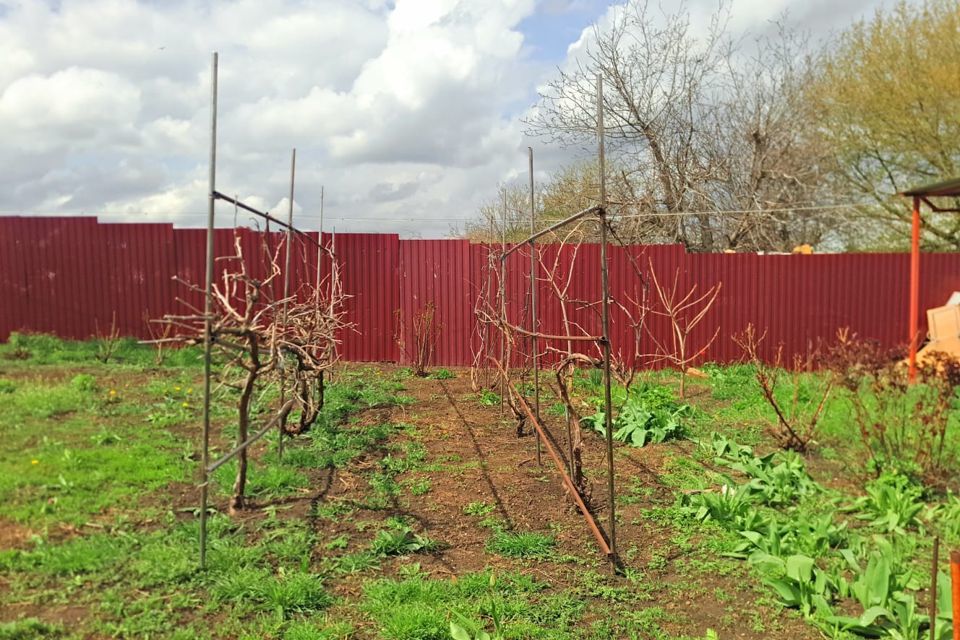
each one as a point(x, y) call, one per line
point(944, 188)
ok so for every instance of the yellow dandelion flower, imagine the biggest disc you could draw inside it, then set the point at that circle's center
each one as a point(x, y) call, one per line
point(189, 390)
point(113, 392)
point(186, 404)
point(34, 461)
point(176, 388)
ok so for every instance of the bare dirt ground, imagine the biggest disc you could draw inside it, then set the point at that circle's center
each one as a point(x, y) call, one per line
point(484, 460)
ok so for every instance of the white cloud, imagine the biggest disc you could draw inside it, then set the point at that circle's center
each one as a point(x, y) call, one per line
point(407, 110)
point(67, 107)
point(401, 109)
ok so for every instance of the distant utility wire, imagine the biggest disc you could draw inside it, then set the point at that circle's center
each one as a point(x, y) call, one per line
point(666, 214)
point(624, 216)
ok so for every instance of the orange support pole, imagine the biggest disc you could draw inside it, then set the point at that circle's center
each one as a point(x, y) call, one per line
point(955, 591)
point(914, 288)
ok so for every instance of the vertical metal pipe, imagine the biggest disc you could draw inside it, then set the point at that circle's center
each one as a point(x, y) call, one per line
point(208, 312)
point(534, 343)
point(487, 347)
point(316, 288)
point(504, 354)
point(319, 248)
point(915, 290)
point(286, 294)
point(933, 587)
point(955, 591)
point(605, 317)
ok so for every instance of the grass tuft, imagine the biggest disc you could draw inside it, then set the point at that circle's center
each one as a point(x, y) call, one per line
point(521, 544)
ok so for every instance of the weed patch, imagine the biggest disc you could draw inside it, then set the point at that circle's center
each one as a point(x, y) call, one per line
point(521, 544)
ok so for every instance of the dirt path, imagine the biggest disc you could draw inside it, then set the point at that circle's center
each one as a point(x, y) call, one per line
point(481, 459)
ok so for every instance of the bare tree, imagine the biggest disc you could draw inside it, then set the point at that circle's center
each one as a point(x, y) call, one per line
point(684, 310)
point(696, 128)
point(659, 77)
point(798, 413)
point(426, 333)
point(505, 216)
point(766, 154)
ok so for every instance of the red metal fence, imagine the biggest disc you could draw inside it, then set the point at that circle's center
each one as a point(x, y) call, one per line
point(72, 276)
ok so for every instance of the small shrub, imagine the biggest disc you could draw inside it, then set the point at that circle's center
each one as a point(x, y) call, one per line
point(797, 398)
point(420, 487)
point(902, 426)
point(489, 398)
point(84, 382)
point(425, 330)
point(892, 503)
point(478, 509)
point(650, 414)
point(107, 342)
point(400, 540)
point(442, 374)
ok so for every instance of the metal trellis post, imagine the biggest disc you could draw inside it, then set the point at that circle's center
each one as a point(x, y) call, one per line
point(534, 345)
point(208, 311)
point(286, 293)
point(605, 318)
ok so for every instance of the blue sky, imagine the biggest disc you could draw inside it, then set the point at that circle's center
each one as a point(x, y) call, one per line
point(556, 23)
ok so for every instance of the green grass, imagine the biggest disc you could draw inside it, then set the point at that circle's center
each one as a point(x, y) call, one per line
point(43, 349)
point(65, 462)
point(314, 629)
point(521, 544)
point(28, 629)
point(91, 449)
point(421, 608)
point(400, 540)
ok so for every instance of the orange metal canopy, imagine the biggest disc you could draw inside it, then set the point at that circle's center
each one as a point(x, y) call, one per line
point(923, 193)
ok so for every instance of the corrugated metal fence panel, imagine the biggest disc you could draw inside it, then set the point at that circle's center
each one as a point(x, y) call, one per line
point(189, 249)
point(10, 281)
point(483, 278)
point(437, 274)
point(370, 275)
point(84, 303)
point(72, 276)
